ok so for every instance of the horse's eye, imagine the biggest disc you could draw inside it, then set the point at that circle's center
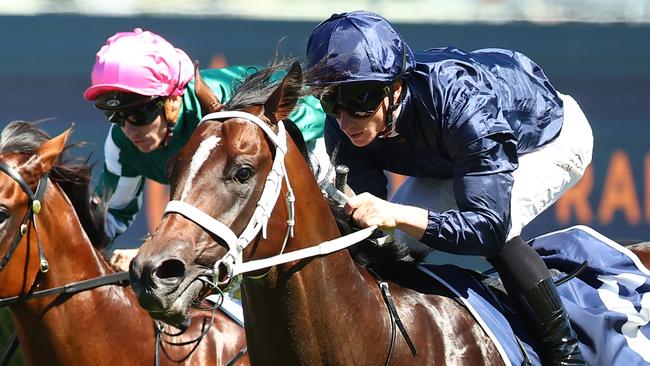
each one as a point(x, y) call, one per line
point(243, 174)
point(3, 216)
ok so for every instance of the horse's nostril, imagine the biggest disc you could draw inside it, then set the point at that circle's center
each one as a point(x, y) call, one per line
point(170, 269)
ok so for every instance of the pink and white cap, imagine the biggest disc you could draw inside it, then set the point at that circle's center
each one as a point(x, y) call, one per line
point(140, 62)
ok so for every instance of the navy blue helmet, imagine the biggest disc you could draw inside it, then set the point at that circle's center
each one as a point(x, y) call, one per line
point(358, 46)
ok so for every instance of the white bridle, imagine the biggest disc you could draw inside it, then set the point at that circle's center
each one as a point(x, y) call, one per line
point(232, 261)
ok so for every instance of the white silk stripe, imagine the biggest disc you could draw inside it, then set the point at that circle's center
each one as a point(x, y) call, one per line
point(200, 156)
point(125, 192)
point(112, 154)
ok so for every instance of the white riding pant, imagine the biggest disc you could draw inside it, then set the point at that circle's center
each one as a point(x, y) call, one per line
point(542, 177)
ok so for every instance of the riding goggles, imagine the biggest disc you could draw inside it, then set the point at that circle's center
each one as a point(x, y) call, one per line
point(140, 115)
point(360, 99)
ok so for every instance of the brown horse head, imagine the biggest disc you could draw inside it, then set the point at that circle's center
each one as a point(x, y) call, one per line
point(221, 171)
point(43, 247)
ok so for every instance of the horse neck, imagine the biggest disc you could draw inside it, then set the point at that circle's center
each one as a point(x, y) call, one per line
point(50, 328)
point(312, 290)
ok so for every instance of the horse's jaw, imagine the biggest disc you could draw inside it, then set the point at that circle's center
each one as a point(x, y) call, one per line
point(178, 312)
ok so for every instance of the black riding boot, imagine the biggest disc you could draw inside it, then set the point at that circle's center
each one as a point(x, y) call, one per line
point(544, 308)
point(526, 279)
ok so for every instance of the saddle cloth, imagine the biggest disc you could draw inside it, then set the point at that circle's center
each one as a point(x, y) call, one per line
point(608, 303)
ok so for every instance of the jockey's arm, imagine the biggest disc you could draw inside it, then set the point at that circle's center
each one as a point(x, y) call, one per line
point(483, 159)
point(482, 147)
point(122, 192)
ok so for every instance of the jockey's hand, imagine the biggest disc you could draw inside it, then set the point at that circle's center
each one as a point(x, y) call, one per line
point(368, 210)
point(121, 258)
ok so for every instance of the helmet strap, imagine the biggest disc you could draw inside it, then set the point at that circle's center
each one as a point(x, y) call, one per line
point(171, 114)
point(389, 118)
point(170, 133)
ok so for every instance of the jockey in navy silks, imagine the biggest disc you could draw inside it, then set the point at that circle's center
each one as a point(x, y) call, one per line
point(485, 139)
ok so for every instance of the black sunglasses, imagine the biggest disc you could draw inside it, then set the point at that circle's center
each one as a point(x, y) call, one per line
point(360, 99)
point(140, 115)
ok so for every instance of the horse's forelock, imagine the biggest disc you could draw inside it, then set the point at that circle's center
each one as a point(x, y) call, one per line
point(21, 137)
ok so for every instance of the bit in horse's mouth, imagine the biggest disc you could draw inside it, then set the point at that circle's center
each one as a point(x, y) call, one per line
point(206, 290)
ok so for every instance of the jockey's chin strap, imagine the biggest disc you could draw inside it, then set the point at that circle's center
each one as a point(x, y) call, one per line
point(232, 265)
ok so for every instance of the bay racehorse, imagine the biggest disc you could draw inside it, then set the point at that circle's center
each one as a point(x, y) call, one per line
point(225, 219)
point(43, 247)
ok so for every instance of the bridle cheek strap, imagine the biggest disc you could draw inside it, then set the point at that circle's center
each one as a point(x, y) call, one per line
point(33, 208)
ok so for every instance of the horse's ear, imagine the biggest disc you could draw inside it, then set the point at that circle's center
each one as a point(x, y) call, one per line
point(45, 157)
point(208, 100)
point(283, 100)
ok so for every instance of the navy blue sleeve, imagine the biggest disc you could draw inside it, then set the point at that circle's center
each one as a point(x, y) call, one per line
point(366, 173)
point(483, 149)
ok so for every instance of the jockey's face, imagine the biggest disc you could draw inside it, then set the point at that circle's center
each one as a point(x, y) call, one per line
point(363, 130)
point(150, 137)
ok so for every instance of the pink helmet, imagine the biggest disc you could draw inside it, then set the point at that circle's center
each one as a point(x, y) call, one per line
point(140, 62)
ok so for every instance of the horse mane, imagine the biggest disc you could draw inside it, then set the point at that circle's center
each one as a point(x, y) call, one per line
point(256, 88)
point(321, 78)
point(24, 138)
point(71, 174)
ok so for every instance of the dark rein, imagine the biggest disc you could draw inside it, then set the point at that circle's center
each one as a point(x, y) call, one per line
point(121, 278)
